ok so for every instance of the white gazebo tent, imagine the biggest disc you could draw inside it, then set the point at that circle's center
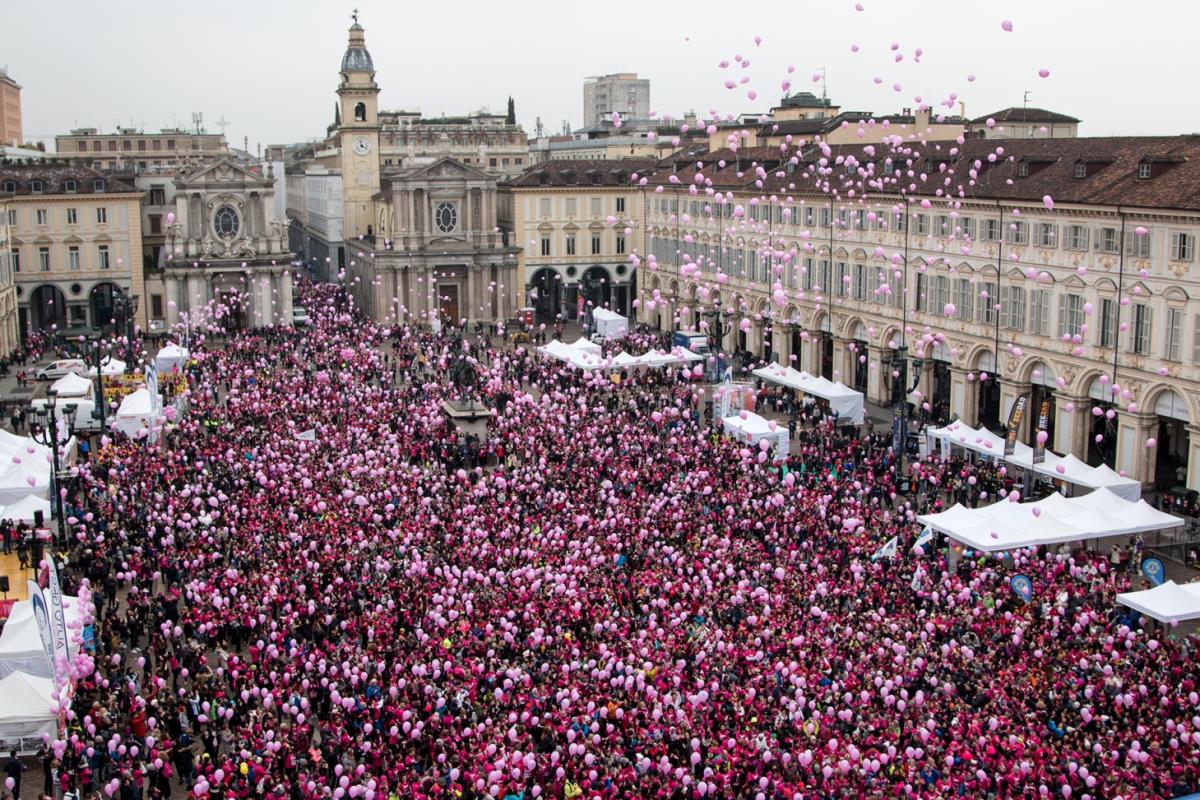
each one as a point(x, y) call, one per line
point(1167, 602)
point(18, 481)
point(1053, 520)
point(26, 715)
point(847, 402)
point(610, 323)
point(750, 428)
point(72, 385)
point(136, 412)
point(21, 647)
point(171, 357)
point(23, 510)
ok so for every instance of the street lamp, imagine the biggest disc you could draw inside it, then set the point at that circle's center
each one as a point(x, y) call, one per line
point(900, 392)
point(99, 410)
point(46, 433)
point(718, 318)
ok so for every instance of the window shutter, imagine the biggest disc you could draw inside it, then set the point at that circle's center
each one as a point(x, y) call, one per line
point(1062, 314)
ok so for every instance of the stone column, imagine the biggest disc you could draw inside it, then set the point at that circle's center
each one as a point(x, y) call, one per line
point(1133, 456)
point(783, 342)
point(285, 295)
point(1193, 476)
point(841, 358)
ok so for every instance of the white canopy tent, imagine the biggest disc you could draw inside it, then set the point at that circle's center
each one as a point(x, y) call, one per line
point(1063, 468)
point(111, 366)
point(750, 428)
point(21, 647)
point(136, 412)
point(610, 323)
point(1052, 520)
point(1167, 602)
point(18, 481)
point(171, 357)
point(25, 711)
point(72, 385)
point(847, 402)
point(23, 510)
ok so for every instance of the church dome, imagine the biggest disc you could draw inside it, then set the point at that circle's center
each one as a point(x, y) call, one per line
point(357, 59)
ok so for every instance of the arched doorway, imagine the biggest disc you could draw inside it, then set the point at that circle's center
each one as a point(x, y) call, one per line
point(939, 397)
point(103, 302)
point(1171, 451)
point(825, 347)
point(545, 294)
point(47, 307)
point(987, 401)
point(1102, 431)
point(858, 355)
point(1042, 380)
point(596, 287)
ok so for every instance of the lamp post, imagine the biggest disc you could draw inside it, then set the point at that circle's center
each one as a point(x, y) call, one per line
point(126, 308)
point(99, 361)
point(717, 318)
point(46, 419)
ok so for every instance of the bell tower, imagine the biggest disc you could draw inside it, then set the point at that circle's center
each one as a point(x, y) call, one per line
point(358, 97)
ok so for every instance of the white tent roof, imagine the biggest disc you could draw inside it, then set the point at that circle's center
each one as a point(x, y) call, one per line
point(18, 481)
point(25, 699)
point(847, 402)
point(752, 425)
point(172, 351)
point(22, 510)
point(1168, 602)
point(109, 366)
point(1063, 468)
point(136, 404)
point(21, 644)
point(604, 313)
point(1055, 519)
point(72, 385)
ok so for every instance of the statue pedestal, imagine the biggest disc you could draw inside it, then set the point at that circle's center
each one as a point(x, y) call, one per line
point(468, 418)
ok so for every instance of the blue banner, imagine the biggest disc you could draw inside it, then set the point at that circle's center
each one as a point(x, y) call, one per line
point(1022, 587)
point(1154, 571)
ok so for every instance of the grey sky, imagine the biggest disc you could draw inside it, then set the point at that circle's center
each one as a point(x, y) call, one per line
point(270, 66)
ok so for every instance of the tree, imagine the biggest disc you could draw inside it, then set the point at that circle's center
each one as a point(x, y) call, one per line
point(511, 119)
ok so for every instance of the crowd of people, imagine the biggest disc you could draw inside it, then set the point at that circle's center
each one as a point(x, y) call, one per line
point(308, 589)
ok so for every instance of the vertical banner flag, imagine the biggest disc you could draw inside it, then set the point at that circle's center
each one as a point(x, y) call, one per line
point(58, 614)
point(1015, 415)
point(925, 537)
point(41, 615)
point(888, 550)
point(1152, 568)
point(1043, 424)
point(1022, 587)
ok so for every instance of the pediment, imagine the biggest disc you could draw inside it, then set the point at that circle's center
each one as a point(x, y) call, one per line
point(448, 168)
point(225, 171)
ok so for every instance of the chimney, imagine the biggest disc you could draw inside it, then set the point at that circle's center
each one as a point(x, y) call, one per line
point(922, 121)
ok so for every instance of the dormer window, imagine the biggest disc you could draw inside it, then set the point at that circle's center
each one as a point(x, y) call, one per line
point(35, 187)
point(1023, 169)
point(98, 185)
point(1144, 171)
point(10, 187)
point(69, 186)
point(1081, 170)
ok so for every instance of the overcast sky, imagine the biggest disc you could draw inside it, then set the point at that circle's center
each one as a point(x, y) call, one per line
point(269, 67)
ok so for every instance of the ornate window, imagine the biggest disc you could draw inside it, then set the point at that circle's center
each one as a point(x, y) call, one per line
point(446, 217)
point(225, 221)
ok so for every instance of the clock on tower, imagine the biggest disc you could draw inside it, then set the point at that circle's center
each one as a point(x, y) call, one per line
point(358, 97)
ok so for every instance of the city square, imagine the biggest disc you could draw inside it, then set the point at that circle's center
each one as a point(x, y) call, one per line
point(802, 453)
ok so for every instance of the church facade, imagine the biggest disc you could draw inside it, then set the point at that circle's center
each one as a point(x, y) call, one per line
point(422, 243)
point(227, 248)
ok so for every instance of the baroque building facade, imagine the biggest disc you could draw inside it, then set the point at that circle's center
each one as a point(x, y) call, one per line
point(226, 246)
point(422, 241)
point(1054, 268)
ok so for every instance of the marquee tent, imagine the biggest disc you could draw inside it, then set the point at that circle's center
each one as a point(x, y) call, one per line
point(751, 428)
point(1055, 519)
point(171, 357)
point(18, 481)
point(136, 412)
point(1063, 468)
point(23, 510)
point(109, 366)
point(72, 385)
point(610, 323)
point(1167, 602)
point(847, 402)
point(25, 711)
point(21, 647)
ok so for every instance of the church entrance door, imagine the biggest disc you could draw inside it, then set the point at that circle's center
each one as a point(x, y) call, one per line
point(448, 303)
